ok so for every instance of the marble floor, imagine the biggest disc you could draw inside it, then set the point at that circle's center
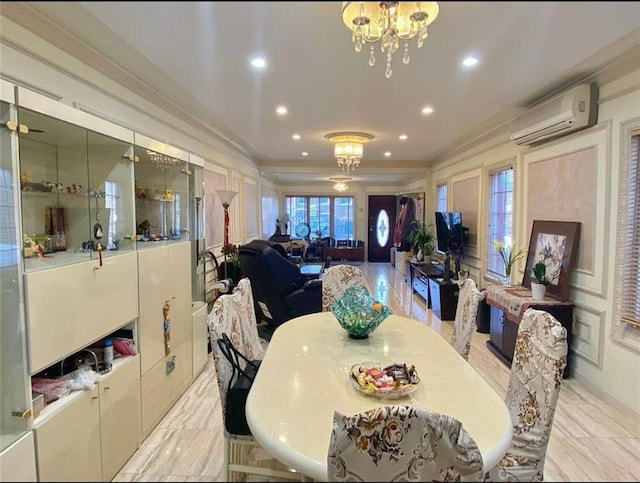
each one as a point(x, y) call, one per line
point(591, 439)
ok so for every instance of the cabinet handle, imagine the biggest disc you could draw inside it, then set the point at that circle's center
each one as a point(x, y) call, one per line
point(107, 388)
point(10, 125)
point(14, 126)
point(93, 398)
point(26, 414)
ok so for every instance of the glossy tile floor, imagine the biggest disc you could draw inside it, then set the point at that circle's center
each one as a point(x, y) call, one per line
point(591, 440)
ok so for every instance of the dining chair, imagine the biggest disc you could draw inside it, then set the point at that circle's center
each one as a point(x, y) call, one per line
point(233, 314)
point(532, 394)
point(464, 324)
point(401, 443)
point(336, 279)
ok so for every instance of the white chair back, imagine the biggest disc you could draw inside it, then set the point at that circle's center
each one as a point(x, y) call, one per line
point(401, 443)
point(532, 395)
point(336, 279)
point(465, 322)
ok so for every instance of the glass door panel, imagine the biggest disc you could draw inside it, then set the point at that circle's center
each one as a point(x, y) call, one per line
point(54, 180)
point(14, 398)
point(110, 193)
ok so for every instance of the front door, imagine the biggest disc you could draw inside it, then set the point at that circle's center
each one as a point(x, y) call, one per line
point(382, 217)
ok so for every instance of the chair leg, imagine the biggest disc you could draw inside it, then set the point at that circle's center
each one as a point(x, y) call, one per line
point(242, 459)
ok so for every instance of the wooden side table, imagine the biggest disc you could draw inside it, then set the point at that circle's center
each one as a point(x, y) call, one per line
point(506, 308)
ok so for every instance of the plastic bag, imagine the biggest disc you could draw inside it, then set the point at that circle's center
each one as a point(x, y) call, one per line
point(83, 378)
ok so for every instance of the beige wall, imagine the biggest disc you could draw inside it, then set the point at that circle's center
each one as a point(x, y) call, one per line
point(574, 178)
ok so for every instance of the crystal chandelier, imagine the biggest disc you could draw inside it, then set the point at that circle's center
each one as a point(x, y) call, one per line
point(388, 23)
point(348, 148)
point(340, 184)
point(162, 160)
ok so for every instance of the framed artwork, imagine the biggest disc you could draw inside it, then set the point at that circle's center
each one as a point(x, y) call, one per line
point(553, 243)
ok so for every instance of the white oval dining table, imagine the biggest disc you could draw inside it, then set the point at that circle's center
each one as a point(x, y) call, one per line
point(305, 376)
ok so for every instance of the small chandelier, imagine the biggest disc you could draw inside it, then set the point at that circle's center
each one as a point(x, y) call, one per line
point(340, 184)
point(162, 160)
point(388, 23)
point(348, 148)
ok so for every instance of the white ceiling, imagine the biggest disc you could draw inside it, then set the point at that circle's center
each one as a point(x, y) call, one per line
point(198, 53)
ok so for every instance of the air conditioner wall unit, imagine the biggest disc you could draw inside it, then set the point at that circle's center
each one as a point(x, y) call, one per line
point(567, 112)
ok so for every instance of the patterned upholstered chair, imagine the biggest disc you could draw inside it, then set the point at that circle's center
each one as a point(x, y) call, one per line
point(532, 395)
point(401, 443)
point(465, 322)
point(234, 315)
point(336, 279)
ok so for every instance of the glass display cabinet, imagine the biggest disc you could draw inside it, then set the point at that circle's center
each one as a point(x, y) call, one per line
point(162, 177)
point(76, 192)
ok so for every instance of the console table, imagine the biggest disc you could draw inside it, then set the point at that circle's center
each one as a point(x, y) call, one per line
point(426, 280)
point(344, 253)
point(507, 306)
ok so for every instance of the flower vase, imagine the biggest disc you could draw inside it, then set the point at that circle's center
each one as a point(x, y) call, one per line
point(419, 255)
point(507, 280)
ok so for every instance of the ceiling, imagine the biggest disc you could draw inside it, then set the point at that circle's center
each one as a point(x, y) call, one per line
point(198, 55)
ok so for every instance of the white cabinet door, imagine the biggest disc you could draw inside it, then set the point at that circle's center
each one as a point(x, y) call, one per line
point(200, 338)
point(68, 442)
point(120, 416)
point(180, 283)
point(87, 303)
point(154, 290)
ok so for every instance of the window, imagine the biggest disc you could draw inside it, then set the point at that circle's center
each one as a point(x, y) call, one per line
point(8, 248)
point(441, 197)
point(500, 217)
point(326, 215)
point(111, 202)
point(627, 292)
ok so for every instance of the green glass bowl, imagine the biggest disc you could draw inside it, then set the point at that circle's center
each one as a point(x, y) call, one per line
point(358, 312)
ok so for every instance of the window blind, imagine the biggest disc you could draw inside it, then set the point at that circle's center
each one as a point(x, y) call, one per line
point(630, 249)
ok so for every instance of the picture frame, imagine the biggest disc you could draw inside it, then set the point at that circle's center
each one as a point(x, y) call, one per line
point(554, 243)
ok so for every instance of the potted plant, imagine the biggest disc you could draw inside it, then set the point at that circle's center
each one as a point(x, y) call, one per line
point(540, 280)
point(508, 257)
point(422, 240)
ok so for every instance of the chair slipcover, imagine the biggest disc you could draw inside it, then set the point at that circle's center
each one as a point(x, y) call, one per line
point(465, 322)
point(532, 394)
point(336, 279)
point(401, 443)
point(234, 315)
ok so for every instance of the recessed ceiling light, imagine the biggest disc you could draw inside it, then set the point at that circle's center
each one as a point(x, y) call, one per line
point(304, 153)
point(281, 110)
point(387, 154)
point(469, 61)
point(403, 137)
point(296, 137)
point(427, 110)
point(258, 62)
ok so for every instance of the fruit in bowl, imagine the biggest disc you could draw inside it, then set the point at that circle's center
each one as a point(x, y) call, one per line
point(358, 312)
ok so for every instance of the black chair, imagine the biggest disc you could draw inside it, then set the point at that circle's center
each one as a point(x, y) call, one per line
point(280, 291)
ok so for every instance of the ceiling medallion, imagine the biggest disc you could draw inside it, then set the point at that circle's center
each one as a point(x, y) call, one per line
point(388, 23)
point(348, 148)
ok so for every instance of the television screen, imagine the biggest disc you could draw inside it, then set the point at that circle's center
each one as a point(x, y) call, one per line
point(449, 231)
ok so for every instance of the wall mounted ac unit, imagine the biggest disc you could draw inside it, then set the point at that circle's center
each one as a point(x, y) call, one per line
point(570, 111)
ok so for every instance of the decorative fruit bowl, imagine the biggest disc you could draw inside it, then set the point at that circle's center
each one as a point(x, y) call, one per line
point(389, 381)
point(358, 312)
